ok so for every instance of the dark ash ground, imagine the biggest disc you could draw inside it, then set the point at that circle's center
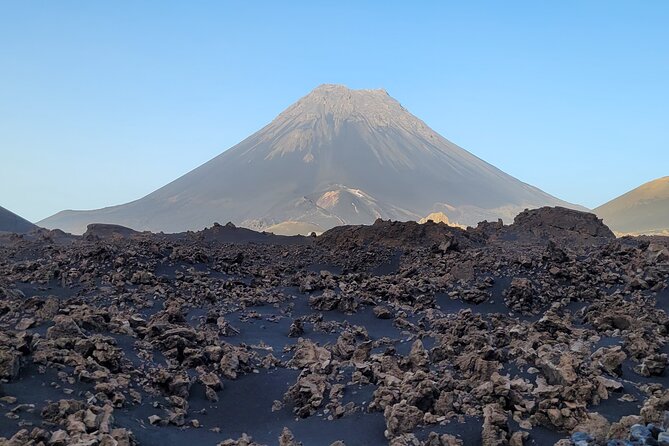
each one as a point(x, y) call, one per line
point(395, 333)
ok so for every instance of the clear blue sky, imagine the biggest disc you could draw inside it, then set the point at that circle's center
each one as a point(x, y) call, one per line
point(102, 102)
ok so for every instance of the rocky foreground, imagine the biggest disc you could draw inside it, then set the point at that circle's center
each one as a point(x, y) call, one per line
point(547, 331)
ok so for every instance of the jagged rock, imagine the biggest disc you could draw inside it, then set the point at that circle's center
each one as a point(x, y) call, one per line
point(211, 380)
point(244, 440)
point(655, 407)
point(287, 439)
point(346, 345)
point(620, 429)
point(434, 439)
point(175, 384)
point(311, 356)
point(594, 425)
point(606, 385)
point(210, 394)
point(653, 365)
point(658, 253)
point(562, 373)
point(610, 359)
point(64, 327)
point(405, 440)
point(154, 419)
point(495, 430)
point(59, 438)
point(10, 363)
point(307, 394)
point(224, 327)
point(25, 323)
point(521, 295)
point(382, 312)
point(560, 224)
point(401, 418)
point(296, 329)
point(418, 356)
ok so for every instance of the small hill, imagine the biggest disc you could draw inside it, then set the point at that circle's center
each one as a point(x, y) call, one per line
point(440, 217)
point(436, 217)
point(10, 222)
point(644, 210)
point(294, 228)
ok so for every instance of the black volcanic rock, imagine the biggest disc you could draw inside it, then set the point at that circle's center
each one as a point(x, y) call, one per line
point(335, 157)
point(394, 333)
point(546, 223)
point(396, 234)
point(10, 222)
point(560, 223)
point(229, 233)
point(102, 230)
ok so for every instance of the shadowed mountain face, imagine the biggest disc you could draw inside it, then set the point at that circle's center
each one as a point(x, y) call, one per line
point(10, 222)
point(644, 210)
point(337, 156)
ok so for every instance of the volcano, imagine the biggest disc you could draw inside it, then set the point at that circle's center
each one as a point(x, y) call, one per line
point(337, 156)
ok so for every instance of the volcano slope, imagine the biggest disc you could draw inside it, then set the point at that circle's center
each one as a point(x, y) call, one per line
point(644, 210)
point(10, 222)
point(546, 331)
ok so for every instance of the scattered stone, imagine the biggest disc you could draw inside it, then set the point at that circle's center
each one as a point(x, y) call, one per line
point(534, 324)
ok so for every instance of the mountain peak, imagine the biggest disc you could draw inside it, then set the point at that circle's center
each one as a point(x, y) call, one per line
point(338, 103)
point(332, 112)
point(339, 89)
